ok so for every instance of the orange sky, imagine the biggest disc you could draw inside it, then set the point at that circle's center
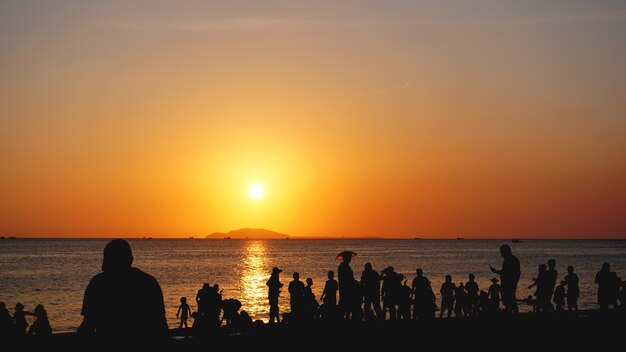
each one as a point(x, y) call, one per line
point(360, 118)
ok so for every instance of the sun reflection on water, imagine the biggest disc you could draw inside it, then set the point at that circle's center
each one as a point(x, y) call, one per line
point(253, 278)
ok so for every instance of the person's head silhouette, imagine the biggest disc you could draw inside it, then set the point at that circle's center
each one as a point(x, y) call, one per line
point(368, 266)
point(309, 281)
point(505, 251)
point(448, 278)
point(296, 276)
point(419, 272)
point(551, 264)
point(606, 267)
point(471, 277)
point(183, 300)
point(117, 256)
point(331, 274)
point(570, 269)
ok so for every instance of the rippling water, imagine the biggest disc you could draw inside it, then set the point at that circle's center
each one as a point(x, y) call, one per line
point(55, 272)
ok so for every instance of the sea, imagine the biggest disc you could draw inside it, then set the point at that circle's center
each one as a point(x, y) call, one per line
point(55, 272)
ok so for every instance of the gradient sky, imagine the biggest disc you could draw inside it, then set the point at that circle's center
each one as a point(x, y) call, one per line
point(361, 118)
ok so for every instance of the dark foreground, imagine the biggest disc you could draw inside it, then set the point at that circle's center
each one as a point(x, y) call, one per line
point(589, 330)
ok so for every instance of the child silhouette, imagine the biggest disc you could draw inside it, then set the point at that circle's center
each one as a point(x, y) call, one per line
point(184, 311)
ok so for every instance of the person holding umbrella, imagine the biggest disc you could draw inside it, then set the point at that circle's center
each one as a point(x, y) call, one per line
point(347, 286)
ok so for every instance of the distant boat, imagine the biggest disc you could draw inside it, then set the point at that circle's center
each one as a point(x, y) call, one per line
point(460, 238)
point(191, 237)
point(226, 238)
point(416, 238)
point(1, 237)
point(516, 240)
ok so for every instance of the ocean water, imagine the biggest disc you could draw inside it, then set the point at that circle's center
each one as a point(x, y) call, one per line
point(55, 272)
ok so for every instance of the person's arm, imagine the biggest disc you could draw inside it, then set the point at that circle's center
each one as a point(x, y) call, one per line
point(87, 326)
point(178, 312)
point(494, 270)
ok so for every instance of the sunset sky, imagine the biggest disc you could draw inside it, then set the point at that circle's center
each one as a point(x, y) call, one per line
point(356, 117)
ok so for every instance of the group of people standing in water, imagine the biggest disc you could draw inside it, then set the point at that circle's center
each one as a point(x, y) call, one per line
point(388, 296)
point(376, 296)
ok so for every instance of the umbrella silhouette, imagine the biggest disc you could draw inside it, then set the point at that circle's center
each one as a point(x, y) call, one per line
point(344, 254)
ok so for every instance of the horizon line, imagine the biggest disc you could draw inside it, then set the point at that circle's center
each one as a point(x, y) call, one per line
point(299, 237)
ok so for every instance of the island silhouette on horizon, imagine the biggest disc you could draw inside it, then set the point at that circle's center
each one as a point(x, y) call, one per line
point(248, 233)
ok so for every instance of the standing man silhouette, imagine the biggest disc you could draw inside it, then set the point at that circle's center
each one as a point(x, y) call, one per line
point(509, 276)
point(347, 288)
point(274, 285)
point(370, 281)
point(122, 301)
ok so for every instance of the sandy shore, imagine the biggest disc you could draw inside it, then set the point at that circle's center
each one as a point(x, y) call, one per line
point(585, 328)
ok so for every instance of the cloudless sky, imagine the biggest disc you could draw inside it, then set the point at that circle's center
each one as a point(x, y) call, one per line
point(359, 117)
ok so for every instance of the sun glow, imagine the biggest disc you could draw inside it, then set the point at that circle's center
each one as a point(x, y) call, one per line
point(256, 191)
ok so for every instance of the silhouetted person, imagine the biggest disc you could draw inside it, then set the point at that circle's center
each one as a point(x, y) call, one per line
point(41, 325)
point(539, 283)
point(494, 293)
point(120, 290)
point(6, 321)
point(421, 290)
point(607, 286)
point(391, 290)
point(427, 303)
point(309, 303)
point(296, 295)
point(573, 291)
point(404, 301)
point(183, 311)
point(447, 296)
point(460, 301)
point(559, 296)
point(370, 283)
point(202, 300)
point(242, 322)
point(347, 289)
point(550, 277)
point(471, 287)
point(214, 306)
point(509, 276)
point(329, 297)
point(19, 319)
point(231, 308)
point(274, 285)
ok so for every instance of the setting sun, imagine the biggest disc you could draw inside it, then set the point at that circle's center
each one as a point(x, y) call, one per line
point(256, 191)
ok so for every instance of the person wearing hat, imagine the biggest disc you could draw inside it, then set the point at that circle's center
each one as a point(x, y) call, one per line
point(274, 286)
point(494, 295)
point(348, 302)
point(19, 319)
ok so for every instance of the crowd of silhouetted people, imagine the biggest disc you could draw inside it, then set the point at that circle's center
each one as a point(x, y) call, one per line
point(376, 296)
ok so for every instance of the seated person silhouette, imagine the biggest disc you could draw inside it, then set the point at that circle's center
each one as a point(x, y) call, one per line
point(122, 301)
